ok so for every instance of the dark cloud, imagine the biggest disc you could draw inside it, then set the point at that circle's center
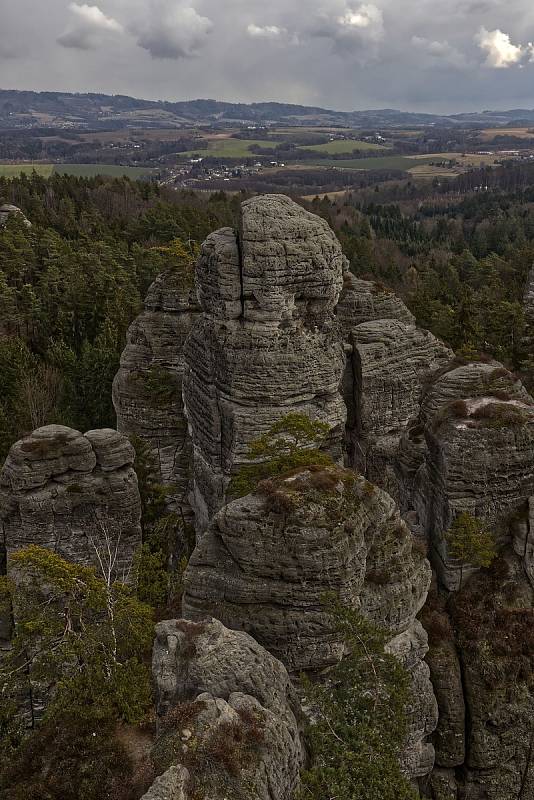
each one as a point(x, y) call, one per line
point(338, 53)
point(171, 29)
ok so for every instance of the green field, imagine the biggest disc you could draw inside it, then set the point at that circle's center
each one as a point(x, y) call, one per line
point(229, 148)
point(78, 170)
point(342, 146)
point(387, 162)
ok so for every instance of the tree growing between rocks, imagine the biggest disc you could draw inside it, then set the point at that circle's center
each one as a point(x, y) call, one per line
point(360, 716)
point(79, 636)
point(291, 442)
point(470, 542)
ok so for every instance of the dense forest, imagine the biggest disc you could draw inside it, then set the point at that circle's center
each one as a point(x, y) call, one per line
point(72, 282)
point(74, 268)
point(459, 253)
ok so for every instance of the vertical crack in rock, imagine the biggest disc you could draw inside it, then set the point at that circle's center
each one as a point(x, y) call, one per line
point(267, 342)
point(147, 390)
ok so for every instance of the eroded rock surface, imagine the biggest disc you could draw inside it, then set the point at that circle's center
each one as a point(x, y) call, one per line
point(470, 450)
point(72, 493)
point(267, 342)
point(493, 617)
point(147, 390)
point(267, 560)
point(227, 712)
point(389, 361)
point(266, 570)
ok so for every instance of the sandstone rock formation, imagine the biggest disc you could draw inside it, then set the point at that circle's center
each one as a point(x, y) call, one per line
point(7, 210)
point(172, 785)
point(365, 301)
point(448, 460)
point(265, 570)
point(267, 560)
point(390, 363)
point(147, 390)
point(267, 342)
point(227, 713)
point(493, 618)
point(72, 493)
point(529, 297)
point(410, 647)
point(389, 360)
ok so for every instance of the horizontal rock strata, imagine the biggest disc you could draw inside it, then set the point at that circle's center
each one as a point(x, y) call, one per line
point(267, 342)
point(448, 459)
point(72, 493)
point(222, 698)
point(147, 390)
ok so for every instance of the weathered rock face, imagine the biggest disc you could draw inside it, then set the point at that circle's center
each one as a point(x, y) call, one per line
point(410, 647)
point(7, 210)
point(389, 361)
point(172, 785)
point(147, 390)
point(70, 493)
point(529, 297)
point(493, 617)
point(265, 572)
point(267, 342)
point(267, 560)
point(365, 301)
point(448, 460)
point(223, 700)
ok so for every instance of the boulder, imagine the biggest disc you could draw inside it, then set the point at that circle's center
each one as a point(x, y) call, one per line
point(227, 713)
point(73, 494)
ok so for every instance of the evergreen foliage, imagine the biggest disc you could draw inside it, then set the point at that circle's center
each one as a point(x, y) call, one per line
point(470, 542)
point(361, 721)
point(291, 442)
point(72, 283)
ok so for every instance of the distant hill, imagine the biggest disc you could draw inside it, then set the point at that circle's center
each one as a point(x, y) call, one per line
point(20, 109)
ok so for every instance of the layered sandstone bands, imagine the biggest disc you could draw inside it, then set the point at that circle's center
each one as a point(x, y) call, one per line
point(147, 390)
point(72, 493)
point(267, 342)
point(222, 690)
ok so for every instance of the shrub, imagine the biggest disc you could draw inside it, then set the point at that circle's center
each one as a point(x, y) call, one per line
point(361, 721)
point(161, 385)
point(290, 443)
point(500, 415)
point(493, 628)
point(470, 542)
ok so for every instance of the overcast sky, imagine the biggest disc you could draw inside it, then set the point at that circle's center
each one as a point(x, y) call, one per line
point(408, 54)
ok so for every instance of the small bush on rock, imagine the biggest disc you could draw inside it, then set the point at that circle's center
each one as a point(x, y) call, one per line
point(292, 442)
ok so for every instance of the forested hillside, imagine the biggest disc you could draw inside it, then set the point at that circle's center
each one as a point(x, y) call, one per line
point(71, 284)
point(211, 486)
point(458, 252)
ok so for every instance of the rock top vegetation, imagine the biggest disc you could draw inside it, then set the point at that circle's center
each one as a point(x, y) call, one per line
point(353, 612)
